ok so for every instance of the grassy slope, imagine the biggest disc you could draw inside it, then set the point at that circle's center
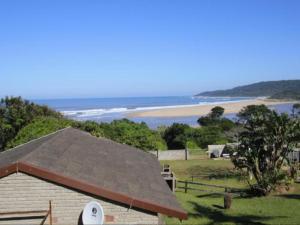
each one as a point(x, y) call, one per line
point(207, 208)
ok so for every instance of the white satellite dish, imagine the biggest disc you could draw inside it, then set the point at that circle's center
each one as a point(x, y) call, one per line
point(93, 214)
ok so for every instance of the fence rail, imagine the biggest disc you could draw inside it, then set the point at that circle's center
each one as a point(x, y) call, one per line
point(235, 191)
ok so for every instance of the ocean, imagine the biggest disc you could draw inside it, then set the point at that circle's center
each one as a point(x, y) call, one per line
point(109, 109)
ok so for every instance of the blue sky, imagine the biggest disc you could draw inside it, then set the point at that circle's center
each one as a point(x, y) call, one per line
point(64, 49)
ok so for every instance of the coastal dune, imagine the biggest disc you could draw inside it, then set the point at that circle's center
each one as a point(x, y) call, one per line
point(201, 110)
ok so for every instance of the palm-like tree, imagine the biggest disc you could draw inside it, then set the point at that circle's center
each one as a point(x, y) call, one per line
point(264, 145)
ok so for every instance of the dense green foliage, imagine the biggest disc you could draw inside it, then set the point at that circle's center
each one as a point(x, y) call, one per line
point(176, 136)
point(216, 112)
point(215, 119)
point(22, 121)
point(135, 134)
point(39, 127)
point(92, 127)
point(204, 136)
point(180, 136)
point(15, 113)
point(293, 95)
point(269, 88)
point(264, 144)
point(122, 131)
point(296, 110)
point(252, 111)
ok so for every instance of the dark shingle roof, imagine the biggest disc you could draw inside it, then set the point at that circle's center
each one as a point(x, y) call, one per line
point(102, 163)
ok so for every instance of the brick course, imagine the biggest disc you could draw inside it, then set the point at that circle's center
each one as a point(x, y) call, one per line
point(22, 192)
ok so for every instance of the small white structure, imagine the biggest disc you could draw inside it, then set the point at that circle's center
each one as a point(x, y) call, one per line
point(215, 151)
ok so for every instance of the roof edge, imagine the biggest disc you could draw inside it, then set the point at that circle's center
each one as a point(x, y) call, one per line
point(89, 188)
point(20, 145)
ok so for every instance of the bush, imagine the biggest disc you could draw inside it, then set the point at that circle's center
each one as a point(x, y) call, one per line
point(176, 136)
point(136, 134)
point(214, 118)
point(89, 126)
point(39, 127)
point(192, 145)
point(208, 135)
point(16, 113)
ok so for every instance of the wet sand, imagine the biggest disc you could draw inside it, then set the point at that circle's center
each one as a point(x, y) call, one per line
point(200, 110)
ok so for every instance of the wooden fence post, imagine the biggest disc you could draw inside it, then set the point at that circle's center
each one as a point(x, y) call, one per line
point(186, 153)
point(185, 186)
point(50, 212)
point(227, 200)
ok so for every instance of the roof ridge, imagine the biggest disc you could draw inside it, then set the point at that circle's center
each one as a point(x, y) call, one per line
point(33, 140)
point(111, 141)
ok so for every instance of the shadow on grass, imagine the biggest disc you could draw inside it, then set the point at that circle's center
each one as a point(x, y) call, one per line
point(211, 195)
point(218, 206)
point(289, 196)
point(218, 216)
point(214, 173)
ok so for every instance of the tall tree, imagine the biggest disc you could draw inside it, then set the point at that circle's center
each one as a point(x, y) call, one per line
point(296, 109)
point(214, 118)
point(264, 144)
point(217, 112)
point(176, 136)
point(16, 113)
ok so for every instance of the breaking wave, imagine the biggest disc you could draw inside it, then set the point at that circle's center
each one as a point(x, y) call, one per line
point(84, 113)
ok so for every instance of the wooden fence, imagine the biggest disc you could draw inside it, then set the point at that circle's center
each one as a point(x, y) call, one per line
point(190, 185)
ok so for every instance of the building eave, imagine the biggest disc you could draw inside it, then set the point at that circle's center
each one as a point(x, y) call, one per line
point(89, 188)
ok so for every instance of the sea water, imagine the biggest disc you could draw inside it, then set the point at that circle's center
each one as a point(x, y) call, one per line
point(109, 109)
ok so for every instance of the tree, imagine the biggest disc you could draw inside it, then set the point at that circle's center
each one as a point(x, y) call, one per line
point(204, 136)
point(15, 113)
point(252, 111)
point(89, 126)
point(135, 134)
point(296, 109)
point(217, 112)
point(226, 124)
point(264, 144)
point(214, 118)
point(39, 127)
point(176, 136)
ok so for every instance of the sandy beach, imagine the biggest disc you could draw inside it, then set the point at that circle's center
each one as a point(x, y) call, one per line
point(200, 110)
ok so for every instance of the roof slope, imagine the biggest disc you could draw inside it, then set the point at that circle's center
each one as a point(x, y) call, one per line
point(99, 166)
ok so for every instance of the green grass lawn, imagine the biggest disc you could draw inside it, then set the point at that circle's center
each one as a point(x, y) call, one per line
point(207, 207)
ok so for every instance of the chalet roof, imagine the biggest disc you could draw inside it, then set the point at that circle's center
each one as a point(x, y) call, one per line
point(98, 166)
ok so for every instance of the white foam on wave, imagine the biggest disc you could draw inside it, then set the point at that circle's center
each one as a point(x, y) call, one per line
point(100, 112)
point(92, 112)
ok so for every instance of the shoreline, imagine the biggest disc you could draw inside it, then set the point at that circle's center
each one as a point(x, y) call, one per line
point(202, 110)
